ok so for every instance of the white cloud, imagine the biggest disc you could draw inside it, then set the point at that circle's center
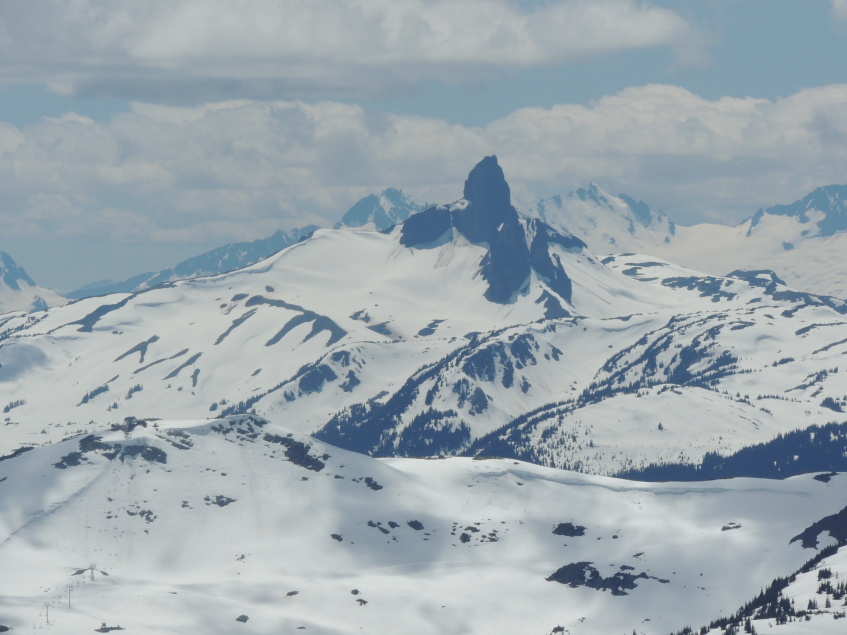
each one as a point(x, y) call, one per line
point(839, 7)
point(239, 170)
point(266, 48)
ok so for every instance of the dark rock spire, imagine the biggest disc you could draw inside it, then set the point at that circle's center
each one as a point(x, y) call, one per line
point(490, 219)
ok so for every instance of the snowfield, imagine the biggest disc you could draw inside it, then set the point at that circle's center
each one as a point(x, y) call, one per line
point(303, 343)
point(190, 525)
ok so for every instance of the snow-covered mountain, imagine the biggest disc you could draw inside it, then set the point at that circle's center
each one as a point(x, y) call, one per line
point(375, 212)
point(466, 329)
point(240, 525)
point(804, 242)
point(606, 223)
point(221, 260)
point(18, 292)
point(161, 436)
point(379, 212)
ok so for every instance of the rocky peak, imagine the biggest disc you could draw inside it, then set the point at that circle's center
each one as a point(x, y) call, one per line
point(489, 211)
point(487, 217)
point(486, 186)
point(11, 274)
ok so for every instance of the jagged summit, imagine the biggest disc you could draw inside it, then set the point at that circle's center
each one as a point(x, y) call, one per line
point(13, 274)
point(18, 292)
point(486, 216)
point(829, 201)
point(486, 188)
point(381, 211)
point(607, 223)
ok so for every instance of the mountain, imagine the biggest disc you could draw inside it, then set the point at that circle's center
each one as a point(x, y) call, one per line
point(379, 212)
point(467, 329)
point(803, 242)
point(221, 260)
point(372, 212)
point(244, 451)
point(825, 209)
point(607, 224)
point(241, 525)
point(18, 292)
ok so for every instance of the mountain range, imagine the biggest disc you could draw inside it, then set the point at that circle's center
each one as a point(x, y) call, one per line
point(426, 413)
point(801, 242)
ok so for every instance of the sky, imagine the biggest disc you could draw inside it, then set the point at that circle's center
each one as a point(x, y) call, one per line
point(135, 135)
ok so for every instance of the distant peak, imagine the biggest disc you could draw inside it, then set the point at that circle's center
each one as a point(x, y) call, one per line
point(829, 199)
point(11, 274)
point(595, 194)
point(486, 185)
point(384, 210)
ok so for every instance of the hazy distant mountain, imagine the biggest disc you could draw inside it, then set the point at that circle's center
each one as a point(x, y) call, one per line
point(380, 211)
point(18, 292)
point(221, 260)
point(606, 223)
point(805, 242)
point(377, 212)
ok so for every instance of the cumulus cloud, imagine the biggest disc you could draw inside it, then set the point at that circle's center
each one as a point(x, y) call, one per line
point(291, 48)
point(241, 169)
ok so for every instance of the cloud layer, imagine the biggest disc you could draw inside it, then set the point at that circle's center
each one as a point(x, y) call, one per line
point(320, 48)
point(241, 169)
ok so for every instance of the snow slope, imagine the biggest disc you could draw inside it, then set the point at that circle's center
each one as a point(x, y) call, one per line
point(221, 260)
point(231, 453)
point(373, 213)
point(184, 527)
point(813, 263)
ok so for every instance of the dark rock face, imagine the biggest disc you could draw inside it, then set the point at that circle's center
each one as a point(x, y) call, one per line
point(426, 227)
point(569, 529)
point(297, 452)
point(486, 187)
point(580, 574)
point(836, 525)
point(550, 268)
point(490, 219)
point(92, 443)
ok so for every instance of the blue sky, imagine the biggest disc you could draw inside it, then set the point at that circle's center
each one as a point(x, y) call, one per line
point(135, 136)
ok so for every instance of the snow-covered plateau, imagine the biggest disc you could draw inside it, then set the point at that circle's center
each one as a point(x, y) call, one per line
point(255, 443)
